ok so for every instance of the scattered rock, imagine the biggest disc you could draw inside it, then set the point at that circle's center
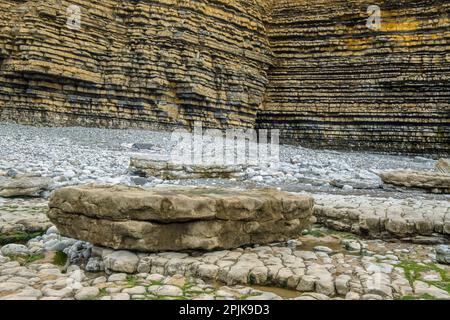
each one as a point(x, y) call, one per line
point(422, 288)
point(323, 249)
point(443, 254)
point(95, 264)
point(121, 261)
point(15, 250)
point(87, 293)
point(117, 277)
point(169, 290)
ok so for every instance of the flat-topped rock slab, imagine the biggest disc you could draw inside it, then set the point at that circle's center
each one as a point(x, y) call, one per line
point(160, 219)
point(431, 181)
point(23, 186)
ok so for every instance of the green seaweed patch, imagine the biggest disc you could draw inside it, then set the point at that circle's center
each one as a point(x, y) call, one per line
point(246, 296)
point(422, 297)
point(60, 258)
point(29, 259)
point(34, 257)
point(18, 237)
point(132, 281)
point(414, 270)
point(102, 293)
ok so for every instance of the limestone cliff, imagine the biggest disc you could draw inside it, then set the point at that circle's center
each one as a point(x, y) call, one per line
point(337, 83)
point(310, 68)
point(133, 63)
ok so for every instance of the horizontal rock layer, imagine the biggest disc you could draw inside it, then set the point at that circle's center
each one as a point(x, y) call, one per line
point(161, 219)
point(310, 68)
point(336, 83)
point(140, 63)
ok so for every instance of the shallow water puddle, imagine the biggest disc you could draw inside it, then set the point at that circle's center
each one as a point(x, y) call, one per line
point(283, 293)
point(308, 243)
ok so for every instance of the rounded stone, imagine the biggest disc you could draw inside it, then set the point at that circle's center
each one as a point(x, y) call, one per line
point(121, 261)
point(14, 250)
point(87, 293)
point(169, 291)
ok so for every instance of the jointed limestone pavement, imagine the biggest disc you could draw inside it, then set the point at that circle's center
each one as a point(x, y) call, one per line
point(377, 270)
point(422, 221)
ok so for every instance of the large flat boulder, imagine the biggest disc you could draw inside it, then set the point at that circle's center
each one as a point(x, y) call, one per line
point(164, 168)
point(25, 186)
point(430, 181)
point(173, 219)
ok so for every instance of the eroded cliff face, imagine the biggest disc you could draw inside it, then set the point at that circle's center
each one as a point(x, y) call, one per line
point(337, 83)
point(133, 63)
point(310, 68)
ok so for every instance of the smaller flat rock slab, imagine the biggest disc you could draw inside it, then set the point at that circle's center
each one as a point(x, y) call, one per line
point(23, 186)
point(430, 181)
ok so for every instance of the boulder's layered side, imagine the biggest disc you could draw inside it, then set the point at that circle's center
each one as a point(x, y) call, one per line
point(336, 83)
point(133, 63)
point(310, 68)
point(164, 219)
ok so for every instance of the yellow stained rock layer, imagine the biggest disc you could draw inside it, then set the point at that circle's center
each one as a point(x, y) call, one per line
point(310, 68)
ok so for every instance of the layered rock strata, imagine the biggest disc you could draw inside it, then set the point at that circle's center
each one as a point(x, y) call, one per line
point(137, 64)
point(337, 83)
point(173, 219)
point(310, 68)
